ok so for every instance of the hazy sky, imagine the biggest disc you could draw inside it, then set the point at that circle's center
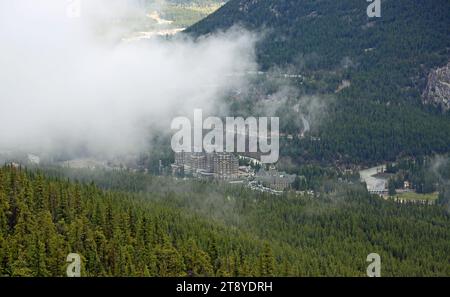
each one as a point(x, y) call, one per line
point(64, 84)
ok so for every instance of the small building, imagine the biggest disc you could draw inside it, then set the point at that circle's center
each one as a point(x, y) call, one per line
point(406, 185)
point(276, 180)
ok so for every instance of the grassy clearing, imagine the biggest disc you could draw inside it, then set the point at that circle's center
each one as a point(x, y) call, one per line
point(186, 15)
point(415, 196)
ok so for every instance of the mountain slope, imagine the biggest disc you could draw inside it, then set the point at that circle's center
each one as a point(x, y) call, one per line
point(417, 30)
point(162, 223)
point(386, 60)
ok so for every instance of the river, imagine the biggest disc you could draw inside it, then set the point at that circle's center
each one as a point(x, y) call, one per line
point(374, 183)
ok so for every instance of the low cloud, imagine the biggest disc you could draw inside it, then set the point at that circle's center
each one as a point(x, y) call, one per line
point(65, 87)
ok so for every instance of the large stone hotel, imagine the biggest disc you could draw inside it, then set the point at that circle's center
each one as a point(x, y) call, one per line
point(213, 165)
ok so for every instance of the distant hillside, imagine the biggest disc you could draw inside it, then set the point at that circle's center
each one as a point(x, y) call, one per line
point(184, 13)
point(385, 61)
point(407, 32)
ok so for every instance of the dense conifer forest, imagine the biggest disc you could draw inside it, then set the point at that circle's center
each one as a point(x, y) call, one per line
point(357, 80)
point(140, 225)
point(386, 61)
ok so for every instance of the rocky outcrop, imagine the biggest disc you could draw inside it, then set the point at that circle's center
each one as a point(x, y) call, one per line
point(437, 91)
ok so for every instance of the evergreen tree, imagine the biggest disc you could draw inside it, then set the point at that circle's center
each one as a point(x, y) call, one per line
point(267, 261)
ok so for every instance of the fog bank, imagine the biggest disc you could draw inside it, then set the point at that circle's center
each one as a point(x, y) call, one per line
point(71, 84)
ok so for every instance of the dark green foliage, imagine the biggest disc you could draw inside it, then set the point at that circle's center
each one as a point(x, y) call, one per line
point(379, 116)
point(425, 174)
point(267, 262)
point(391, 187)
point(181, 228)
point(43, 219)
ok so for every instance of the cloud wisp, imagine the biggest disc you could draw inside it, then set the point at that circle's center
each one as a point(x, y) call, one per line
point(63, 86)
